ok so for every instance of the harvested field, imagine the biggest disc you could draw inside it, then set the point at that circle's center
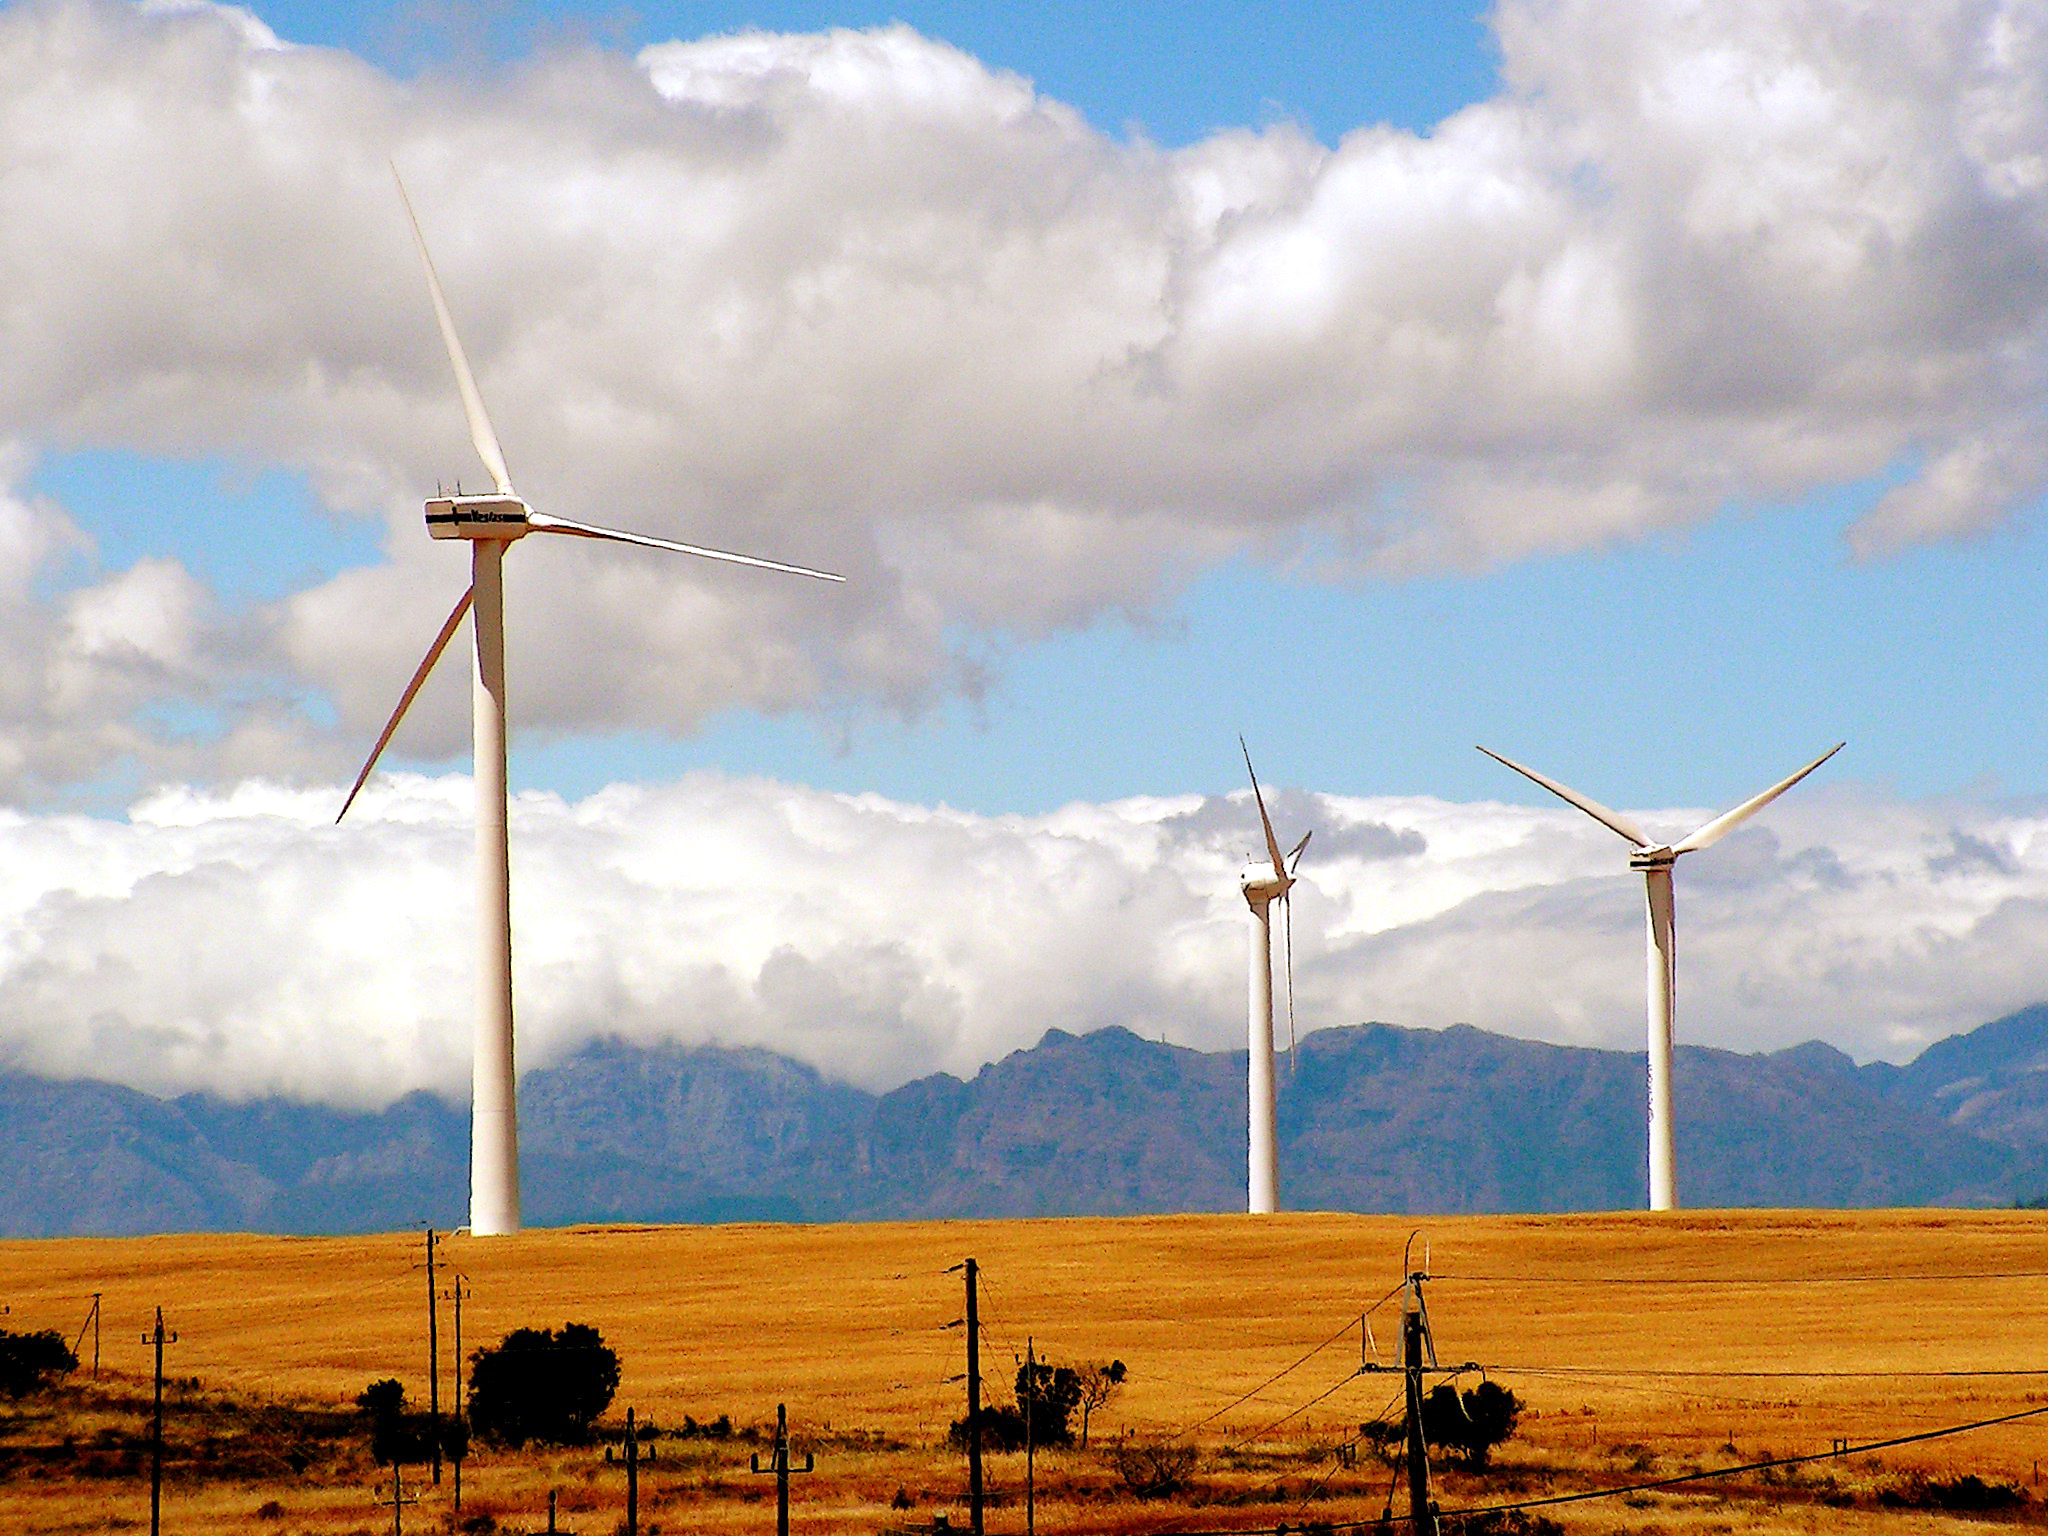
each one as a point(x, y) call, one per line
point(1613, 1329)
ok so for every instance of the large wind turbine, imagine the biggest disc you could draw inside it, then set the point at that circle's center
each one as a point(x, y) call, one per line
point(491, 522)
point(1655, 859)
point(1262, 887)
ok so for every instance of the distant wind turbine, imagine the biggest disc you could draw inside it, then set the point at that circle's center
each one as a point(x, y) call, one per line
point(1263, 886)
point(491, 522)
point(1655, 860)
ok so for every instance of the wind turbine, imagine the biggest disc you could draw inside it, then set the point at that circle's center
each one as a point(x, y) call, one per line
point(1655, 859)
point(491, 522)
point(1262, 887)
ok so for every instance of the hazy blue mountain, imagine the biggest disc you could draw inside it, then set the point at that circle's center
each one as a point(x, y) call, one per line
point(1372, 1117)
point(1992, 1081)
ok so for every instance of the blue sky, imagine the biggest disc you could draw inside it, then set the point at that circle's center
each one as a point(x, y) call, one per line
point(1175, 71)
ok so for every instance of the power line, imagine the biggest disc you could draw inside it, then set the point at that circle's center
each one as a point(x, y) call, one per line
point(1742, 1280)
point(1652, 1485)
point(1742, 1374)
point(1260, 1434)
point(1349, 1324)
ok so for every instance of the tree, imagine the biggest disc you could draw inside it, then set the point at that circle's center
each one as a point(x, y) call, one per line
point(1470, 1424)
point(32, 1362)
point(395, 1435)
point(382, 1399)
point(1049, 1394)
point(542, 1384)
point(1098, 1383)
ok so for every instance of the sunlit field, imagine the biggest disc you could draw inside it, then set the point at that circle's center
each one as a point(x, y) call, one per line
point(1642, 1348)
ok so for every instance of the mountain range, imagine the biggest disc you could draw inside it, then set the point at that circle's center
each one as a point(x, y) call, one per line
point(1372, 1117)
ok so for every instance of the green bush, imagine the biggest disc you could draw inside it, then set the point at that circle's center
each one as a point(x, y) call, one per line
point(32, 1362)
point(1470, 1424)
point(543, 1385)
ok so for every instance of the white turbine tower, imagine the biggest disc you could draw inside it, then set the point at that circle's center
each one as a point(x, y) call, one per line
point(1655, 859)
point(1263, 885)
point(490, 523)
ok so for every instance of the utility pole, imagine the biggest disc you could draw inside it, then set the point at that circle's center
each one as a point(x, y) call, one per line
point(632, 1449)
point(1414, 1340)
point(433, 1362)
point(398, 1500)
point(461, 1390)
point(1030, 1438)
point(780, 1467)
point(973, 1403)
point(92, 1321)
point(158, 1337)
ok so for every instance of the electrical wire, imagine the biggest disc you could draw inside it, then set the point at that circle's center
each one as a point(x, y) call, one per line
point(1326, 1393)
point(1733, 1278)
point(1289, 1370)
point(1653, 1484)
point(1709, 1373)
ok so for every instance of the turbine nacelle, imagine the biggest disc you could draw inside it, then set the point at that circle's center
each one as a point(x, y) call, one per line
point(1259, 884)
point(478, 517)
point(1662, 856)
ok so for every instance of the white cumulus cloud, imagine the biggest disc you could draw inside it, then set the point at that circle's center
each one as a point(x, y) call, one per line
point(235, 940)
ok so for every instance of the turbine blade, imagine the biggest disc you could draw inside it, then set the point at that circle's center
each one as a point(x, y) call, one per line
point(1727, 822)
point(1614, 821)
point(1272, 842)
point(405, 699)
point(1294, 858)
point(480, 431)
point(541, 523)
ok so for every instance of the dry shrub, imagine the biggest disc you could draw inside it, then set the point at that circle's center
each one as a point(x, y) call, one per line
point(1154, 1469)
point(1965, 1494)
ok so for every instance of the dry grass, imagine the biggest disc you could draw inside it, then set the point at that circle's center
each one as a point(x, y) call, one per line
point(848, 1326)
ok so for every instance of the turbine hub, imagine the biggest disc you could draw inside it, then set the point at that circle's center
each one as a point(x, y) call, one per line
point(477, 517)
point(1660, 857)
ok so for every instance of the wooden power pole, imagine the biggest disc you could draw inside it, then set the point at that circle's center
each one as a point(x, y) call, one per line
point(92, 1321)
point(158, 1337)
point(632, 1454)
point(461, 1388)
point(433, 1362)
point(1030, 1438)
point(398, 1500)
point(973, 1403)
point(780, 1467)
point(1414, 1341)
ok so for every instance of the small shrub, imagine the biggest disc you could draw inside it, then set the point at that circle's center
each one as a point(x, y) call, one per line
point(1154, 1469)
point(1967, 1494)
point(1501, 1522)
point(32, 1362)
point(1002, 1429)
point(1471, 1423)
point(270, 1509)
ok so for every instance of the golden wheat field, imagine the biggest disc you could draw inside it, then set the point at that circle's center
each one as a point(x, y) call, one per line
point(1642, 1347)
